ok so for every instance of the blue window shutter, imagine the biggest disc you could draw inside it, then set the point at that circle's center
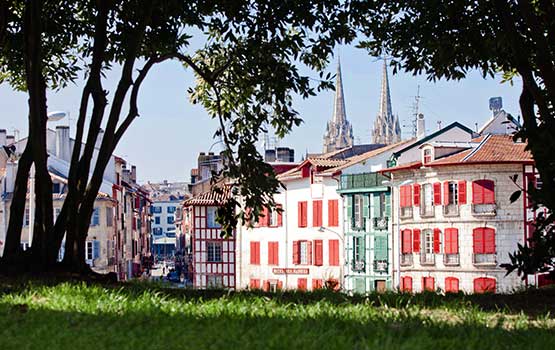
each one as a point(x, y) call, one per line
point(96, 249)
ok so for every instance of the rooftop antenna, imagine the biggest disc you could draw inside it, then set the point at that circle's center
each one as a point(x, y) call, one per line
point(415, 110)
point(439, 124)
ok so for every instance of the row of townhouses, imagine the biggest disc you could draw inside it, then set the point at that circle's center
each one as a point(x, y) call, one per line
point(119, 233)
point(427, 213)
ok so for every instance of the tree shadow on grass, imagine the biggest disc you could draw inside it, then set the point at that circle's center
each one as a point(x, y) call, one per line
point(41, 328)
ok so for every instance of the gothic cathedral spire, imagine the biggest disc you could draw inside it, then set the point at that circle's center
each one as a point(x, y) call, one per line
point(339, 132)
point(386, 126)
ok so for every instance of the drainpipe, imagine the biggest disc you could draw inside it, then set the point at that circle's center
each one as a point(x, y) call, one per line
point(285, 216)
point(341, 261)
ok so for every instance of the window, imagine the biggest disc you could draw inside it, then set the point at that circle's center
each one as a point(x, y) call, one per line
point(214, 281)
point(427, 155)
point(483, 197)
point(334, 252)
point(318, 252)
point(405, 201)
point(451, 246)
point(170, 210)
point(380, 211)
point(380, 253)
point(406, 247)
point(450, 198)
point(273, 253)
point(304, 253)
point(406, 284)
point(254, 283)
point(95, 220)
point(213, 251)
point(157, 220)
point(484, 285)
point(484, 245)
point(302, 214)
point(317, 283)
point(451, 285)
point(427, 200)
point(317, 213)
point(358, 217)
point(255, 253)
point(56, 187)
point(359, 254)
point(211, 215)
point(26, 218)
point(109, 216)
point(428, 284)
point(170, 220)
point(92, 250)
point(157, 230)
point(333, 213)
point(156, 209)
point(273, 218)
point(427, 256)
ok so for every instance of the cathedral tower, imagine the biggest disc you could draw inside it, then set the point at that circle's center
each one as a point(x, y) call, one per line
point(386, 126)
point(339, 132)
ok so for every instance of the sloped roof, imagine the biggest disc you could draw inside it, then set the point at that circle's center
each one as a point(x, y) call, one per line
point(490, 150)
point(210, 197)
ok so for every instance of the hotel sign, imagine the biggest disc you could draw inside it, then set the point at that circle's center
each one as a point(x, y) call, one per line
point(290, 271)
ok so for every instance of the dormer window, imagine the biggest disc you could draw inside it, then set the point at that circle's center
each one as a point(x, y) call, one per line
point(427, 155)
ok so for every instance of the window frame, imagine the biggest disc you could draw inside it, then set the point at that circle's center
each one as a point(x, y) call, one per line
point(214, 248)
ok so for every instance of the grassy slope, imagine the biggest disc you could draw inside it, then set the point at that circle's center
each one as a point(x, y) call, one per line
point(76, 316)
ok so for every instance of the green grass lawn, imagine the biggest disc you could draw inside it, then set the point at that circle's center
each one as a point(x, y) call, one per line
point(80, 316)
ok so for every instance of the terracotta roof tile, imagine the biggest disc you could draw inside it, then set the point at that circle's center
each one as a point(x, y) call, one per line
point(210, 197)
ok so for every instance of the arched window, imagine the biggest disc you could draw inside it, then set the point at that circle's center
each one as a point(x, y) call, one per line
point(484, 285)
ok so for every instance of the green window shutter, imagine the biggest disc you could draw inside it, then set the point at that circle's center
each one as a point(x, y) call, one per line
point(380, 248)
point(350, 214)
point(366, 209)
point(376, 205)
point(388, 204)
point(362, 248)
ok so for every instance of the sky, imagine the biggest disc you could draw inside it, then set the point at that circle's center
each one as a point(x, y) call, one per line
point(165, 140)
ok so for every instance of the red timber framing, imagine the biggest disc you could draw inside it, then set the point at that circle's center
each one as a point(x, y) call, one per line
point(213, 256)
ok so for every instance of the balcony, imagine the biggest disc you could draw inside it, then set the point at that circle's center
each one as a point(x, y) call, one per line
point(380, 265)
point(406, 213)
point(360, 225)
point(380, 223)
point(358, 265)
point(354, 181)
point(484, 209)
point(427, 259)
point(451, 210)
point(406, 259)
point(484, 259)
point(451, 259)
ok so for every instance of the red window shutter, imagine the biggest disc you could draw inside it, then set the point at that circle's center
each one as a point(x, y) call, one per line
point(451, 236)
point(428, 284)
point(309, 252)
point(266, 287)
point(402, 196)
point(406, 196)
point(334, 252)
point(445, 193)
point(477, 192)
point(478, 240)
point(296, 255)
point(279, 216)
point(416, 195)
point(489, 241)
point(270, 253)
point(437, 241)
point(462, 192)
point(253, 253)
point(280, 285)
point(406, 241)
point(302, 214)
point(451, 285)
point(437, 193)
point(301, 283)
point(484, 285)
point(258, 253)
point(416, 240)
point(316, 283)
point(318, 252)
point(333, 213)
point(317, 213)
point(489, 191)
point(406, 284)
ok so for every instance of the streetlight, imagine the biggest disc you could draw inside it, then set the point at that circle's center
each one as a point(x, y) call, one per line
point(50, 117)
point(323, 229)
point(398, 224)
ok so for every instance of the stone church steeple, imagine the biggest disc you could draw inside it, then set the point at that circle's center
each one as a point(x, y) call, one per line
point(339, 132)
point(386, 126)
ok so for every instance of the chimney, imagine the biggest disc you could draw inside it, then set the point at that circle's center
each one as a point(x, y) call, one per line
point(3, 137)
point(420, 126)
point(62, 142)
point(133, 173)
point(99, 138)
